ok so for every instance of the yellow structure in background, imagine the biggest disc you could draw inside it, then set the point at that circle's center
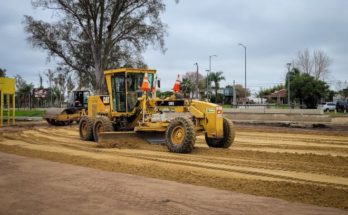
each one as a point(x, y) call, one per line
point(7, 89)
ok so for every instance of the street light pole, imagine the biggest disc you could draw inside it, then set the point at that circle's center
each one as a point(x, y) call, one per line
point(207, 82)
point(208, 87)
point(197, 88)
point(288, 75)
point(245, 69)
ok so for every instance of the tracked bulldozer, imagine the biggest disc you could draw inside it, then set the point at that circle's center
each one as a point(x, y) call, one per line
point(76, 107)
point(131, 111)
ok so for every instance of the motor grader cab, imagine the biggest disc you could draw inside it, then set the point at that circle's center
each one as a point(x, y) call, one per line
point(130, 110)
point(76, 107)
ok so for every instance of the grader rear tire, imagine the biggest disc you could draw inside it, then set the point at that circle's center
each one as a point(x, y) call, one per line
point(86, 129)
point(101, 124)
point(180, 135)
point(227, 140)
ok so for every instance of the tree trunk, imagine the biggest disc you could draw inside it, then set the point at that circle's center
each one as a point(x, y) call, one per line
point(98, 78)
point(216, 97)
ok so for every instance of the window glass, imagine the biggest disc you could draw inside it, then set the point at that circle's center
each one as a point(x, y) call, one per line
point(134, 82)
point(118, 92)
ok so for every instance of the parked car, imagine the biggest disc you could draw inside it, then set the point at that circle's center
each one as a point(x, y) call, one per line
point(342, 106)
point(327, 106)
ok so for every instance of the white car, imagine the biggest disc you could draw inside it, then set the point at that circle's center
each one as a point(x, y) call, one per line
point(327, 106)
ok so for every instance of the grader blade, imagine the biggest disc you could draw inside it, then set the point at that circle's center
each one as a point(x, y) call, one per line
point(129, 138)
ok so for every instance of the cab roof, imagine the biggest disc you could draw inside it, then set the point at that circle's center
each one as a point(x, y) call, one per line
point(130, 70)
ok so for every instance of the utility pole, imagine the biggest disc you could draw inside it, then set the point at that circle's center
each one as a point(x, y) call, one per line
point(234, 93)
point(210, 71)
point(197, 87)
point(207, 83)
point(49, 74)
point(288, 76)
point(245, 69)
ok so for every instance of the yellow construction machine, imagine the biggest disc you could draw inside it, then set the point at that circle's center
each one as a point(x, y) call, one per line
point(128, 111)
point(77, 106)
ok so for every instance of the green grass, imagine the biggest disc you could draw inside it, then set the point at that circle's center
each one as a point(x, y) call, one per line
point(279, 106)
point(28, 113)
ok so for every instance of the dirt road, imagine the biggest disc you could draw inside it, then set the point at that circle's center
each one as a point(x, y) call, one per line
point(34, 186)
point(309, 166)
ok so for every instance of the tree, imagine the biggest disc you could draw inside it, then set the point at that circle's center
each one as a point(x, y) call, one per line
point(192, 76)
point(2, 72)
point(344, 92)
point(56, 95)
point(19, 82)
point(316, 65)
point(306, 88)
point(216, 77)
point(23, 90)
point(40, 78)
point(70, 85)
point(60, 83)
point(321, 64)
point(91, 36)
point(267, 91)
point(304, 61)
point(165, 94)
point(187, 87)
point(240, 91)
point(50, 75)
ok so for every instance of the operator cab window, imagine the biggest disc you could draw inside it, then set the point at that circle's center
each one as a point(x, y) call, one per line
point(85, 98)
point(118, 92)
point(134, 82)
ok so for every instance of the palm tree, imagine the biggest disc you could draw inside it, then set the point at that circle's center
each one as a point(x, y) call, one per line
point(216, 77)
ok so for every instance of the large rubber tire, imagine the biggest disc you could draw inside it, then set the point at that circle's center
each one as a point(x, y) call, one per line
point(180, 135)
point(101, 124)
point(86, 128)
point(227, 140)
point(51, 121)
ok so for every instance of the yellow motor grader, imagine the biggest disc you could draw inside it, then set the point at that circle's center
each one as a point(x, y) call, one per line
point(127, 111)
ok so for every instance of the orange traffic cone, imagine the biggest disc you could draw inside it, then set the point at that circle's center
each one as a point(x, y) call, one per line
point(176, 87)
point(145, 85)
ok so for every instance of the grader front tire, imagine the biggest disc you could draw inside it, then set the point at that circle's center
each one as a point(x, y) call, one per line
point(101, 124)
point(180, 135)
point(86, 129)
point(227, 140)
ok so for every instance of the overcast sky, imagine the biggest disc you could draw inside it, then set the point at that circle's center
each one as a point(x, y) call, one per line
point(273, 31)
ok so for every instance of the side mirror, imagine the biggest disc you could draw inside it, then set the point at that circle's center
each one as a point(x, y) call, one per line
point(159, 83)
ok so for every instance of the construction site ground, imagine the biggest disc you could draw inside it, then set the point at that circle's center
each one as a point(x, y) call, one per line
point(293, 164)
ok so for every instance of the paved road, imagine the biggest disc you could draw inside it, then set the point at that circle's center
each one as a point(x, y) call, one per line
point(34, 186)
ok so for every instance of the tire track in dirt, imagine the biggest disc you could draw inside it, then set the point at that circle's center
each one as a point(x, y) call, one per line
point(309, 160)
point(317, 139)
point(272, 173)
point(273, 165)
point(81, 144)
